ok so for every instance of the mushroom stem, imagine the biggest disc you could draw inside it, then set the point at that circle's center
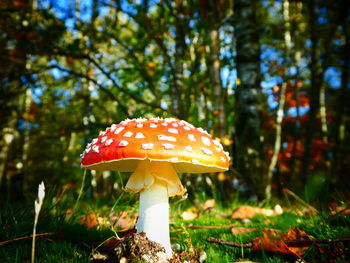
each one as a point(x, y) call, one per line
point(154, 214)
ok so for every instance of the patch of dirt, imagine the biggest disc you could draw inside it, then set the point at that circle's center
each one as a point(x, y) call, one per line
point(135, 247)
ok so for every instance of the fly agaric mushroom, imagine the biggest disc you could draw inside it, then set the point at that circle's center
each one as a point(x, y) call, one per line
point(155, 150)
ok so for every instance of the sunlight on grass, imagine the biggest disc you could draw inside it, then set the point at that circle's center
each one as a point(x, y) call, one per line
point(74, 242)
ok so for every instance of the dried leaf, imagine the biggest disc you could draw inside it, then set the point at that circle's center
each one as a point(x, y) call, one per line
point(274, 240)
point(91, 221)
point(270, 241)
point(209, 204)
point(189, 215)
point(244, 212)
point(123, 220)
point(242, 230)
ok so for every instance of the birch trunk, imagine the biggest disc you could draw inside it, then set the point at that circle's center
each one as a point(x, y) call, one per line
point(248, 96)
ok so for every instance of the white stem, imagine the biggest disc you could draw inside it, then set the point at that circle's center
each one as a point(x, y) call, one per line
point(154, 215)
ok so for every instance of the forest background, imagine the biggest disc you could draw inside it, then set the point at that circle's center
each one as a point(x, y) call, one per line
point(270, 79)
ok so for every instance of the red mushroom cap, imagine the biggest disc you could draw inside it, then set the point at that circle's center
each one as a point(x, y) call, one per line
point(121, 146)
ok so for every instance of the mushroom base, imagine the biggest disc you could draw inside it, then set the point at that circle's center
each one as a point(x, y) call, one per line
point(154, 215)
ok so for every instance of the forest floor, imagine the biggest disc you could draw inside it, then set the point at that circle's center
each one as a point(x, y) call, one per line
point(71, 231)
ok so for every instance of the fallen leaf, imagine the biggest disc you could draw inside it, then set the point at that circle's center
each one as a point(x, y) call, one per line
point(91, 221)
point(274, 240)
point(189, 214)
point(244, 212)
point(123, 220)
point(242, 230)
point(209, 204)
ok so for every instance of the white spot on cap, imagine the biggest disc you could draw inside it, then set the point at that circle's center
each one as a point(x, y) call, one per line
point(187, 128)
point(200, 129)
point(139, 125)
point(168, 146)
point(223, 159)
point(188, 148)
point(227, 155)
point(218, 149)
point(102, 133)
point(123, 143)
point(128, 134)
point(174, 159)
point(94, 141)
point(191, 137)
point(218, 146)
point(87, 149)
point(173, 130)
point(169, 119)
point(175, 125)
point(95, 149)
point(108, 142)
point(195, 161)
point(104, 138)
point(82, 155)
point(206, 140)
point(164, 124)
point(206, 151)
point(162, 137)
point(139, 135)
point(152, 125)
point(118, 130)
point(147, 146)
point(203, 131)
point(126, 121)
point(217, 142)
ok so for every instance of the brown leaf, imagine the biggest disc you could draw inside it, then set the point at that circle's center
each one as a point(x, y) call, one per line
point(296, 234)
point(274, 240)
point(91, 220)
point(209, 204)
point(270, 241)
point(246, 211)
point(124, 219)
point(242, 230)
point(189, 214)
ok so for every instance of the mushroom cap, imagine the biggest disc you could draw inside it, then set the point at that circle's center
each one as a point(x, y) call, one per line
point(121, 147)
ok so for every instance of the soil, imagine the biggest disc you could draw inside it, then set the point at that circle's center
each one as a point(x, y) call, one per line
point(135, 247)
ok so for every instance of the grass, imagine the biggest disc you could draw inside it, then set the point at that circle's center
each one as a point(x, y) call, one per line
point(73, 242)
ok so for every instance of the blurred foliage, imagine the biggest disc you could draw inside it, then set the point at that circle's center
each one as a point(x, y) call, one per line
point(71, 68)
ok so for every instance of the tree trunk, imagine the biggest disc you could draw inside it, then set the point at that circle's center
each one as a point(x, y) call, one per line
point(314, 94)
point(180, 50)
point(215, 71)
point(339, 128)
point(248, 96)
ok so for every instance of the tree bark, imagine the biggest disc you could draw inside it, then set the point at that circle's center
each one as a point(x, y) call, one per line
point(215, 71)
point(180, 51)
point(339, 128)
point(248, 96)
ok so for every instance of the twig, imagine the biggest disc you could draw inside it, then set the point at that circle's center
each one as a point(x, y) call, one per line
point(289, 243)
point(25, 237)
point(210, 227)
point(289, 192)
point(305, 243)
point(228, 243)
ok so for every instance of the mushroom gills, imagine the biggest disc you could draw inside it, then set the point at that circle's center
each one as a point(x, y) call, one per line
point(148, 171)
